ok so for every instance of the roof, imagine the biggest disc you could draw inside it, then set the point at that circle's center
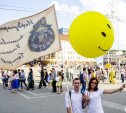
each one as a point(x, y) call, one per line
point(64, 37)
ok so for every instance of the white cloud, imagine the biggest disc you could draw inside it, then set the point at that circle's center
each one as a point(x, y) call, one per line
point(65, 8)
point(96, 5)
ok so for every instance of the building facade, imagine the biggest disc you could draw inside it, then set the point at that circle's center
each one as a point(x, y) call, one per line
point(114, 57)
point(111, 57)
point(67, 55)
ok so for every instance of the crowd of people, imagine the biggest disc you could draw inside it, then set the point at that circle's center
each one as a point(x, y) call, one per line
point(89, 76)
point(14, 79)
point(101, 73)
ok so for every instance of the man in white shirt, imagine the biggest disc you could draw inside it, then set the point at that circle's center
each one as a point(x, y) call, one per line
point(122, 74)
point(76, 98)
point(71, 73)
point(10, 74)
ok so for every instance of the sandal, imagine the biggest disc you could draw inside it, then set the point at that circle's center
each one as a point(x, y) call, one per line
point(12, 91)
point(20, 90)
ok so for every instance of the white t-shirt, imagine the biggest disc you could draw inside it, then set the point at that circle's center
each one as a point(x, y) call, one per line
point(10, 74)
point(98, 73)
point(76, 102)
point(72, 70)
point(122, 71)
point(16, 76)
point(95, 105)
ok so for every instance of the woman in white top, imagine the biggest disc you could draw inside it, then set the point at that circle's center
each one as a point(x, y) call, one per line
point(94, 105)
point(15, 84)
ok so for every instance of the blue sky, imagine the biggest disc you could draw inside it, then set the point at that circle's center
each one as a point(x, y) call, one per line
point(7, 14)
point(67, 11)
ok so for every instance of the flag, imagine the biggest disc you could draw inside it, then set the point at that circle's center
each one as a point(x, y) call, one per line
point(29, 38)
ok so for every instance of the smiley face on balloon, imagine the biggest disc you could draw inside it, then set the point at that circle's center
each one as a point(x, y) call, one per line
point(108, 65)
point(91, 34)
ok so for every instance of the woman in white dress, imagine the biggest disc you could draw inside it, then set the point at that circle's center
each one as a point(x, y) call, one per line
point(95, 93)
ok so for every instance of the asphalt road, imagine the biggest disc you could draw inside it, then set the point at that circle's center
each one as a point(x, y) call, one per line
point(44, 101)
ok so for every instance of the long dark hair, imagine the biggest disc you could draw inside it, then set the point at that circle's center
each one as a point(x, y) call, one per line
point(15, 71)
point(89, 86)
point(31, 71)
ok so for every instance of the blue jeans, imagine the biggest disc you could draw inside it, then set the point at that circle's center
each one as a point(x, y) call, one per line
point(3, 82)
point(83, 87)
point(122, 77)
point(23, 82)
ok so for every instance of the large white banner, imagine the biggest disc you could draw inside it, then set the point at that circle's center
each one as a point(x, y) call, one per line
point(28, 38)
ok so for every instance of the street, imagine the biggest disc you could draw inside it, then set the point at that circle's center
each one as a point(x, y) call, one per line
point(44, 101)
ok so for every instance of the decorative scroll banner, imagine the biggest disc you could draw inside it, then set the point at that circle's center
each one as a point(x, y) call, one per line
point(28, 38)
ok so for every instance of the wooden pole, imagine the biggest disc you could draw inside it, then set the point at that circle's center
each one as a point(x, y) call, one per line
point(66, 81)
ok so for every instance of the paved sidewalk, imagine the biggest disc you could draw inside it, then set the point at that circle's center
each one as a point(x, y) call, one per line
point(107, 85)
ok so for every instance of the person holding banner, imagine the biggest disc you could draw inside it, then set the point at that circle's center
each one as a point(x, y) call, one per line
point(95, 93)
point(76, 98)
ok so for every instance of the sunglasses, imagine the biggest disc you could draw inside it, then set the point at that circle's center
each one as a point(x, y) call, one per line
point(94, 83)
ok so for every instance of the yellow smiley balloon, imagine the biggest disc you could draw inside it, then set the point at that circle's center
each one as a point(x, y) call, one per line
point(91, 34)
point(108, 65)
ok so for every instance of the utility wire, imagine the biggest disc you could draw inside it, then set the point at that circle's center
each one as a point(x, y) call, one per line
point(33, 10)
point(62, 13)
point(17, 10)
point(57, 12)
point(20, 7)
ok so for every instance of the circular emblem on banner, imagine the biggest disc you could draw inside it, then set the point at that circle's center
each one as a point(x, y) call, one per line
point(42, 36)
point(108, 65)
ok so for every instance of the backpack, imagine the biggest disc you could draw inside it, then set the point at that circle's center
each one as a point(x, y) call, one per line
point(70, 94)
